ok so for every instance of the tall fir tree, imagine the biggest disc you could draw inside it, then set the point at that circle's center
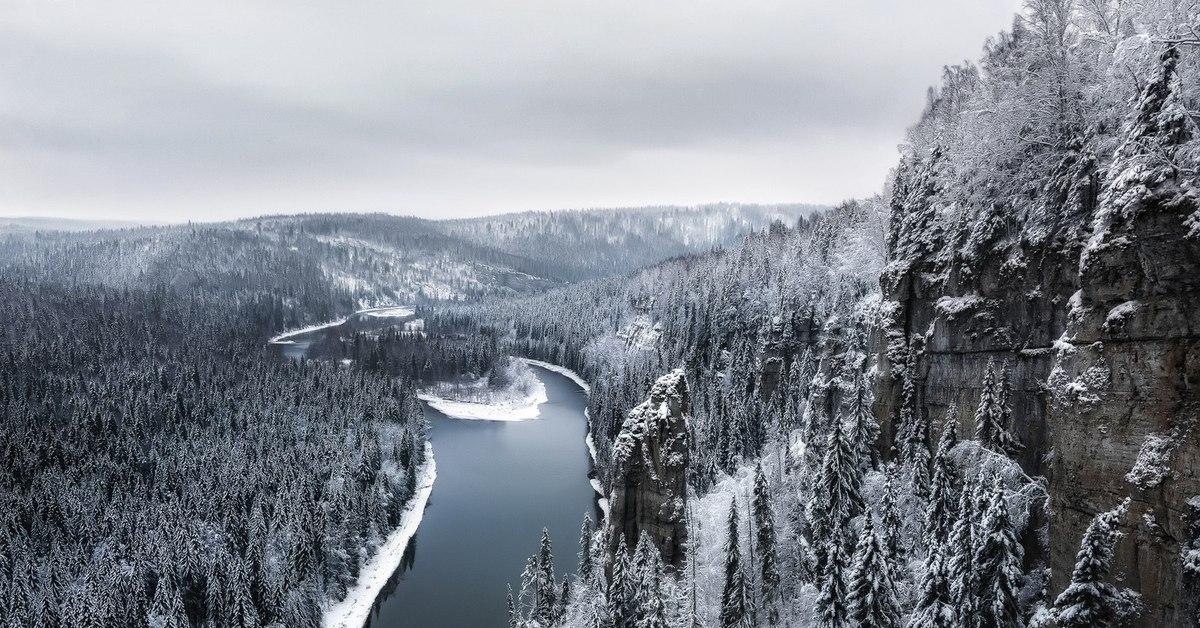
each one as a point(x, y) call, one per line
point(545, 594)
point(998, 562)
point(765, 544)
point(837, 497)
point(894, 550)
point(1089, 601)
point(587, 566)
point(620, 587)
point(866, 428)
point(935, 607)
point(993, 417)
point(964, 588)
point(735, 611)
point(872, 594)
point(944, 487)
point(832, 610)
point(649, 607)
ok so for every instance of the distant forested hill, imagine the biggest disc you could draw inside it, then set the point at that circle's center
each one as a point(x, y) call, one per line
point(358, 260)
point(586, 244)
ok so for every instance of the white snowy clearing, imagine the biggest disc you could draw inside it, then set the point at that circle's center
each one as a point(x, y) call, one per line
point(519, 400)
point(399, 311)
point(355, 608)
point(522, 409)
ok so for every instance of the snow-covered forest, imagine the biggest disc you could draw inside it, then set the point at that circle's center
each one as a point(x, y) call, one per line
point(967, 401)
point(838, 474)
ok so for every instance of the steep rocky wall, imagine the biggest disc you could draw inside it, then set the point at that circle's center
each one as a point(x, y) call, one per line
point(1096, 311)
point(651, 454)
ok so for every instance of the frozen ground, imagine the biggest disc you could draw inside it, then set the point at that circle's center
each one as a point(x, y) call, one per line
point(476, 400)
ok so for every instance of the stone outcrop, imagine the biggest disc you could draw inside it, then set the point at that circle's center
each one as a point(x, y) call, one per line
point(649, 486)
point(1093, 304)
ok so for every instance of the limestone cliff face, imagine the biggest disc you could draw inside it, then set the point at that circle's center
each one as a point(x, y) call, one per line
point(1125, 390)
point(1094, 305)
point(649, 487)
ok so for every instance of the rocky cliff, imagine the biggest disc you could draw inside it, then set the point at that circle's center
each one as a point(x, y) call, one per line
point(1092, 302)
point(649, 486)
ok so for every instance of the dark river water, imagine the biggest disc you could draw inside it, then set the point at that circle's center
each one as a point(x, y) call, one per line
point(498, 484)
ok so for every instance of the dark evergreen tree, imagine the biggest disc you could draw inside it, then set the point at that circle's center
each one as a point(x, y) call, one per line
point(866, 428)
point(765, 545)
point(935, 607)
point(832, 609)
point(998, 562)
point(944, 487)
point(964, 581)
point(872, 591)
point(735, 610)
point(1089, 601)
point(587, 565)
point(545, 586)
point(993, 415)
point(837, 496)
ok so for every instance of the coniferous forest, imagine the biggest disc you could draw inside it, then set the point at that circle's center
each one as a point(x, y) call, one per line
point(970, 400)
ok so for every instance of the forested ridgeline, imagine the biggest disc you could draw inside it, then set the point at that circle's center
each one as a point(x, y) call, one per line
point(586, 244)
point(373, 259)
point(970, 402)
point(161, 469)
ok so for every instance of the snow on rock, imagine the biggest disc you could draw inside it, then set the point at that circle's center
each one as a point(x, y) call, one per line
point(354, 610)
point(650, 456)
point(1116, 316)
point(954, 306)
point(1153, 464)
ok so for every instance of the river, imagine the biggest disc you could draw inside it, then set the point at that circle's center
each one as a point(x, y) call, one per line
point(498, 484)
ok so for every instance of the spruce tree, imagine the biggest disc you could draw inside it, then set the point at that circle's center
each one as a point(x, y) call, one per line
point(935, 608)
point(893, 544)
point(917, 455)
point(994, 414)
point(837, 496)
point(944, 487)
point(866, 428)
point(998, 562)
point(765, 542)
point(166, 611)
point(648, 604)
point(831, 609)
point(619, 588)
point(586, 564)
point(1089, 601)
point(734, 609)
point(872, 594)
point(545, 586)
point(961, 558)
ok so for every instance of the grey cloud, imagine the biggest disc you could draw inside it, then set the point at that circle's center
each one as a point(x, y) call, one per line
point(92, 116)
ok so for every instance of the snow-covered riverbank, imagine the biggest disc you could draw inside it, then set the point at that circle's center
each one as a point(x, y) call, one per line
point(387, 311)
point(561, 370)
point(591, 446)
point(355, 608)
point(520, 409)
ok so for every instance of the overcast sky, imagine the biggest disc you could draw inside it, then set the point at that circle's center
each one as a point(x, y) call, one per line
point(182, 110)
